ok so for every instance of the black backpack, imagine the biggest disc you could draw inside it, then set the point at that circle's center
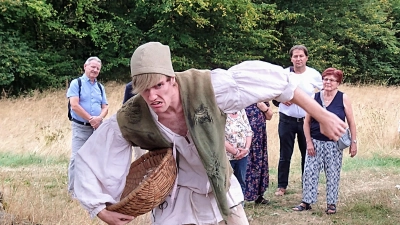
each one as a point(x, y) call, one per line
point(80, 85)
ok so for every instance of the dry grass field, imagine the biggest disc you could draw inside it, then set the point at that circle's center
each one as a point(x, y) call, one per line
point(35, 147)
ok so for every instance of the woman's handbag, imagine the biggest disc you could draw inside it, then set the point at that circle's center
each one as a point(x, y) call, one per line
point(345, 140)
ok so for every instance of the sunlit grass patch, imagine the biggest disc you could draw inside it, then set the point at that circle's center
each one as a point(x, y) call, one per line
point(16, 160)
point(378, 208)
point(371, 162)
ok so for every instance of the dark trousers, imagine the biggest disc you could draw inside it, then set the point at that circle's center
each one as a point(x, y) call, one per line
point(287, 129)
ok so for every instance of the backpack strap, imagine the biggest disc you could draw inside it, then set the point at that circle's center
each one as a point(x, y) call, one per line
point(101, 90)
point(79, 85)
point(79, 94)
point(69, 102)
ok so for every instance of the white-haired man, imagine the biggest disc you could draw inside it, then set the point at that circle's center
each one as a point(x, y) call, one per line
point(89, 106)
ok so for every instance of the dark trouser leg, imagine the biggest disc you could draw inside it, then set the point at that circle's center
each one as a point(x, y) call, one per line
point(286, 133)
point(301, 141)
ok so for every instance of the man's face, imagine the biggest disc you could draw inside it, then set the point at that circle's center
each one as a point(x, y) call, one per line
point(92, 69)
point(299, 59)
point(159, 97)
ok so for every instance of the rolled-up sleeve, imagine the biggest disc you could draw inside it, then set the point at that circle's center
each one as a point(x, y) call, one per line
point(101, 166)
point(250, 82)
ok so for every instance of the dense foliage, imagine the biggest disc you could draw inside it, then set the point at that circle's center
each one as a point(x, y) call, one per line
point(45, 42)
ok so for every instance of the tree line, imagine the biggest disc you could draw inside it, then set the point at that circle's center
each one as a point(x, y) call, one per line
point(44, 43)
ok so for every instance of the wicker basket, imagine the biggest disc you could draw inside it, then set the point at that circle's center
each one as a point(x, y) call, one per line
point(150, 179)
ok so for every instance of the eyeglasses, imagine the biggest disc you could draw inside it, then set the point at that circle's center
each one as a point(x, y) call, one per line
point(330, 80)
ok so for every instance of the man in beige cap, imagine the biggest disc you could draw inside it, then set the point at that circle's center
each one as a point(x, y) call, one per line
point(185, 110)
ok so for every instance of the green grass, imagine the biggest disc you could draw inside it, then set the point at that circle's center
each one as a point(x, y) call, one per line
point(17, 160)
point(369, 210)
point(356, 163)
point(376, 161)
point(367, 196)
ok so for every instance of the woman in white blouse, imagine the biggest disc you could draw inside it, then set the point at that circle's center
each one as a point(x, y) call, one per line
point(238, 136)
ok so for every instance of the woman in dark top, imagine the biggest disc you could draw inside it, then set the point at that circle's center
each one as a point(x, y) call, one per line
point(323, 152)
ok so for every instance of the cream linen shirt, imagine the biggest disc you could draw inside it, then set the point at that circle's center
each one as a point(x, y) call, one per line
point(102, 163)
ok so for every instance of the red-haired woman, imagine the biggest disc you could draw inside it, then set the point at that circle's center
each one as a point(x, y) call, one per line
point(322, 152)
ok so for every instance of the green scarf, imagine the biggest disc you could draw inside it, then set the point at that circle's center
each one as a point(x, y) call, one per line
point(205, 121)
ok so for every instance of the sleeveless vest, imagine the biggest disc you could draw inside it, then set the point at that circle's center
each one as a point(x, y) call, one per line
point(205, 122)
point(336, 107)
